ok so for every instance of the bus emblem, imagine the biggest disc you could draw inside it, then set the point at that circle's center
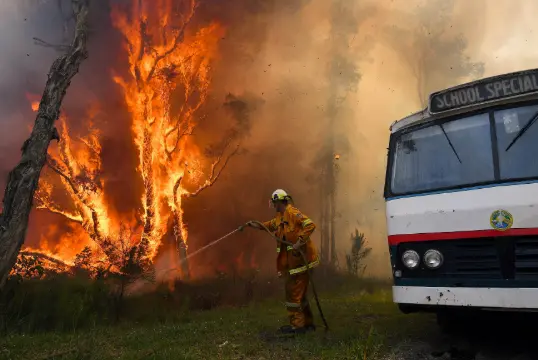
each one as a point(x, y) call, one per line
point(501, 220)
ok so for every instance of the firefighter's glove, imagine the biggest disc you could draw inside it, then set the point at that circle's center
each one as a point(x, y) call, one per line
point(249, 224)
point(298, 244)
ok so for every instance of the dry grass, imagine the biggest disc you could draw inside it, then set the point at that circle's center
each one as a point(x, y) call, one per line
point(364, 323)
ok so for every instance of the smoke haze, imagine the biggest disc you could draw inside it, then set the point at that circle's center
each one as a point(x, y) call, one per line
point(272, 82)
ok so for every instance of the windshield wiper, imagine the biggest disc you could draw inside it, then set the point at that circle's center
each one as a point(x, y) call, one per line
point(450, 142)
point(523, 130)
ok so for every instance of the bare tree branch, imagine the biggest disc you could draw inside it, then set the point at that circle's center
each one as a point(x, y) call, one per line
point(214, 177)
point(55, 209)
point(23, 179)
point(46, 257)
point(95, 233)
point(67, 19)
point(57, 47)
point(53, 165)
point(177, 40)
point(186, 132)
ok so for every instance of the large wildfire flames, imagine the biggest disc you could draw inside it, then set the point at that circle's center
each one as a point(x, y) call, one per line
point(168, 83)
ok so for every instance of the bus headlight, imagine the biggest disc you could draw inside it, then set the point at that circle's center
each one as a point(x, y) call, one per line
point(433, 259)
point(410, 259)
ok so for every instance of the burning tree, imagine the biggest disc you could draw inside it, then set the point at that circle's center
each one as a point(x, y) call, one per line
point(170, 78)
point(77, 164)
point(168, 84)
point(23, 179)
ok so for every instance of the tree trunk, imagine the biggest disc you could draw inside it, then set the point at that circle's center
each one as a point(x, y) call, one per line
point(181, 246)
point(324, 250)
point(23, 179)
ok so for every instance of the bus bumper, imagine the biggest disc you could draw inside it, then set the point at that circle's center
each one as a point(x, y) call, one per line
point(417, 298)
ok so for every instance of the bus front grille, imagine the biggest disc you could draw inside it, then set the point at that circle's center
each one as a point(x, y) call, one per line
point(473, 259)
point(526, 258)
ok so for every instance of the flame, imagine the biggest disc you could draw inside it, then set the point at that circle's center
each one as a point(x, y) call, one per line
point(34, 101)
point(169, 80)
point(77, 164)
point(168, 67)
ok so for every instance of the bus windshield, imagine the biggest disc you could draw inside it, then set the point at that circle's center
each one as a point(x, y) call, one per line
point(460, 153)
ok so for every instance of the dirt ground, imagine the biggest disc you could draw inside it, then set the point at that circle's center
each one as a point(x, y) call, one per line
point(492, 336)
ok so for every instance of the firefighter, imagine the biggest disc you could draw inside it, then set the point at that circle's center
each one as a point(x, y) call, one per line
point(294, 227)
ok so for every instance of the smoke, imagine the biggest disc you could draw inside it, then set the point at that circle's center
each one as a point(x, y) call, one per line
point(386, 46)
point(290, 74)
point(22, 67)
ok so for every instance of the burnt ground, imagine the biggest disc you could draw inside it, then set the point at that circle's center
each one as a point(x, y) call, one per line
point(489, 336)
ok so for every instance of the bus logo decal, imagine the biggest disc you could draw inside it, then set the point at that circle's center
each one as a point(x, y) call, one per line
point(501, 220)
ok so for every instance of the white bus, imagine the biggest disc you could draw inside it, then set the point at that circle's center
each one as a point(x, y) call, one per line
point(461, 196)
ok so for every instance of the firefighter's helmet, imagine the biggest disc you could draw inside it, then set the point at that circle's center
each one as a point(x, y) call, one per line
point(279, 195)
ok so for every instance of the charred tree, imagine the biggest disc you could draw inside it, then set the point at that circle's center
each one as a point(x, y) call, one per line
point(23, 179)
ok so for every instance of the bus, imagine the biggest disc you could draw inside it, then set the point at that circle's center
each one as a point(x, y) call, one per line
point(461, 196)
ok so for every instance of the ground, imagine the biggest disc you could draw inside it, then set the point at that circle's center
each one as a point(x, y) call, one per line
point(363, 326)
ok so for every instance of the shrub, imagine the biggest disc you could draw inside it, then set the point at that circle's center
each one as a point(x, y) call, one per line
point(60, 303)
point(359, 252)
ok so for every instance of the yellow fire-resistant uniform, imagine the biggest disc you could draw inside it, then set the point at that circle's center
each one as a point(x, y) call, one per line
point(293, 226)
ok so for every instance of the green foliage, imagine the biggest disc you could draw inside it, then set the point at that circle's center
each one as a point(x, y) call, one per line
point(359, 252)
point(75, 302)
point(70, 302)
point(363, 326)
point(365, 347)
point(57, 303)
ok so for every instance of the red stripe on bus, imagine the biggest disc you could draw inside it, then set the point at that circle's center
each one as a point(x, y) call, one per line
point(396, 239)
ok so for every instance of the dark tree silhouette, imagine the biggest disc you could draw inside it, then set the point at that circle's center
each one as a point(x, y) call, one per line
point(23, 179)
point(343, 76)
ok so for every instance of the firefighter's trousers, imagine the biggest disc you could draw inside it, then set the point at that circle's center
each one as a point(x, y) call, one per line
point(299, 311)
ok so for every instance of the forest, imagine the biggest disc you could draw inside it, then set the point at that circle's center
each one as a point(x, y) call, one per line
point(138, 132)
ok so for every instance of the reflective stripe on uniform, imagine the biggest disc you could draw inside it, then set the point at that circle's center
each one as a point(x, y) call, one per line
point(304, 268)
point(288, 248)
point(302, 305)
point(292, 305)
point(306, 222)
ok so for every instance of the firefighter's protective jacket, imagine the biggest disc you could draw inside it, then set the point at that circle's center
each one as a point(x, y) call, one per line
point(292, 226)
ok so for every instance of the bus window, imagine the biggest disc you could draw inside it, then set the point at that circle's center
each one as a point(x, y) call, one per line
point(520, 160)
point(430, 159)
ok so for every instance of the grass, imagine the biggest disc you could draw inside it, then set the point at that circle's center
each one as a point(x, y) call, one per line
point(364, 325)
